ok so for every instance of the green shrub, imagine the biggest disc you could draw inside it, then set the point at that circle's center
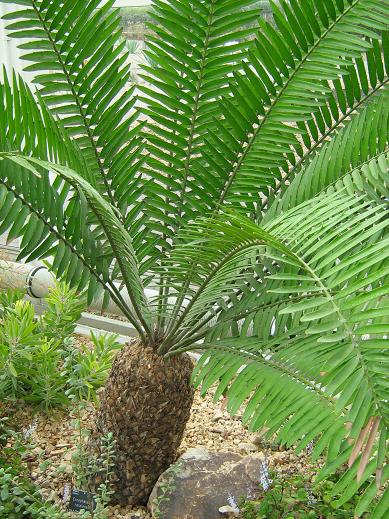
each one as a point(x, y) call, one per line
point(87, 368)
point(39, 360)
point(8, 298)
point(63, 310)
point(18, 339)
point(45, 381)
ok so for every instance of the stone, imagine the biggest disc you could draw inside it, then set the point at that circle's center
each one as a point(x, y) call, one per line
point(258, 440)
point(218, 416)
point(201, 482)
point(280, 458)
point(57, 452)
point(67, 456)
point(217, 430)
point(52, 496)
point(196, 453)
point(67, 468)
point(247, 448)
point(229, 511)
point(38, 451)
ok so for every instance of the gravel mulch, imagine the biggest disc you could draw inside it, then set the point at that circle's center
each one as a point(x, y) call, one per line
point(54, 439)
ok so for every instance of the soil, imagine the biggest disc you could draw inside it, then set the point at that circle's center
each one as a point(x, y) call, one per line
point(54, 437)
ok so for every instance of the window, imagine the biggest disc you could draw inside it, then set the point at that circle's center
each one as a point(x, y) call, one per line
point(132, 3)
point(135, 14)
point(134, 22)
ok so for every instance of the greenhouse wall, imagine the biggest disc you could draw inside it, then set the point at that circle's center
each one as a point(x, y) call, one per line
point(9, 53)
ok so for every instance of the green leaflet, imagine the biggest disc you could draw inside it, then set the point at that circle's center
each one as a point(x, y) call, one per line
point(345, 153)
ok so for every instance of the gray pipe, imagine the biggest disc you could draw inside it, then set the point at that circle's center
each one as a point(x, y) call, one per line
point(38, 280)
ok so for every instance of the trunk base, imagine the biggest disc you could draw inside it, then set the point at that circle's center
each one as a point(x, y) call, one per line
point(145, 405)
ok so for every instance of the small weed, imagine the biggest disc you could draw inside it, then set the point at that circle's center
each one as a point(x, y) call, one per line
point(295, 497)
point(89, 468)
point(167, 488)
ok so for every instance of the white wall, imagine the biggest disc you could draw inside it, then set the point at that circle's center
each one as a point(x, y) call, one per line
point(9, 53)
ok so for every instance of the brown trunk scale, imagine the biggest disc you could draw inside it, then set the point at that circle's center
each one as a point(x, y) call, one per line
point(145, 404)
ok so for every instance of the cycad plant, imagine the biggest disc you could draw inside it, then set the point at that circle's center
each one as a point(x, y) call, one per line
point(247, 198)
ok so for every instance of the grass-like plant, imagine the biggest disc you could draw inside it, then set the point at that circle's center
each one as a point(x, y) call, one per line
point(250, 196)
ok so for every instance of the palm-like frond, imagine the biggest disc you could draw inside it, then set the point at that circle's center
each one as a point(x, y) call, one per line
point(196, 48)
point(344, 160)
point(33, 207)
point(280, 88)
point(30, 127)
point(78, 62)
point(226, 263)
point(333, 342)
point(365, 79)
point(213, 261)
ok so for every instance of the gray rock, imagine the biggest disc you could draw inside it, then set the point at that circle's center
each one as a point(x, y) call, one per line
point(196, 453)
point(201, 483)
point(229, 511)
point(247, 448)
point(218, 416)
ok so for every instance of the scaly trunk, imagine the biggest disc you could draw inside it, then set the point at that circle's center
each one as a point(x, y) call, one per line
point(145, 404)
